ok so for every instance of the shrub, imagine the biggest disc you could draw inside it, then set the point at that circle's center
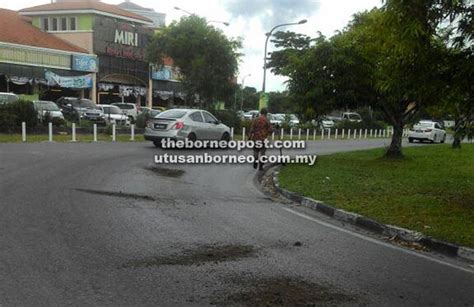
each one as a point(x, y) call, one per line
point(229, 118)
point(13, 114)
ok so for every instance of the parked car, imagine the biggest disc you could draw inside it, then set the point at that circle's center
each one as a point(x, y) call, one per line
point(150, 113)
point(251, 114)
point(292, 120)
point(76, 108)
point(114, 115)
point(276, 120)
point(179, 124)
point(324, 123)
point(45, 108)
point(427, 131)
point(8, 98)
point(351, 116)
point(129, 109)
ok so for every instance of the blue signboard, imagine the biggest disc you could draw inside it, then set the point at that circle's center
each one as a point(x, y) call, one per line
point(84, 63)
point(166, 73)
point(77, 82)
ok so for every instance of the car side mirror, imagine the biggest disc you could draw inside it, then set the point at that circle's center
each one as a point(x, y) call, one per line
point(217, 122)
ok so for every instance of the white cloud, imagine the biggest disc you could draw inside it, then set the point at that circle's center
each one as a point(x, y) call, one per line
point(251, 19)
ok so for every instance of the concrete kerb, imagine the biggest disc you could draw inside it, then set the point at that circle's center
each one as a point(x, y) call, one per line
point(403, 234)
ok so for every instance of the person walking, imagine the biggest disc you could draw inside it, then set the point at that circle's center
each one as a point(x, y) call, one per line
point(259, 132)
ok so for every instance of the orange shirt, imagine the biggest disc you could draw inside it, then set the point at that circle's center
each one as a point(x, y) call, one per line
point(261, 128)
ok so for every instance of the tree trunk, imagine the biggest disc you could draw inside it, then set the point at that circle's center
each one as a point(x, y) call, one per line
point(456, 143)
point(395, 149)
point(458, 135)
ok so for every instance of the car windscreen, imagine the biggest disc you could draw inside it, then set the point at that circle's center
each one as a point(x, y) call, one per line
point(173, 114)
point(424, 125)
point(354, 116)
point(46, 106)
point(112, 110)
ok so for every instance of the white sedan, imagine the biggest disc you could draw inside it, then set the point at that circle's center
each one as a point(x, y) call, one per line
point(427, 131)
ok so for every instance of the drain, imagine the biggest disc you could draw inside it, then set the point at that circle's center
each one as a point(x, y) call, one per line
point(200, 255)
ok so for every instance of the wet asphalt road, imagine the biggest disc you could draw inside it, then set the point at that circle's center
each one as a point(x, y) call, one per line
point(68, 237)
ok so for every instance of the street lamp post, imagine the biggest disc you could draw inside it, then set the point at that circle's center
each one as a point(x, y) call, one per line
point(242, 93)
point(208, 21)
point(269, 34)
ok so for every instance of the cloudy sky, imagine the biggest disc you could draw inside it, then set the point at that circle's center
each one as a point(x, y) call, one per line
point(251, 19)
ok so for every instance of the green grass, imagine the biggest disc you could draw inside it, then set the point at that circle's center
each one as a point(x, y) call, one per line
point(35, 138)
point(430, 191)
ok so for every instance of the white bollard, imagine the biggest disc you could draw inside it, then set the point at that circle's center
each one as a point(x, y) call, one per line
point(371, 133)
point(50, 128)
point(342, 136)
point(314, 134)
point(243, 133)
point(355, 134)
point(307, 134)
point(132, 132)
point(291, 133)
point(299, 134)
point(335, 134)
point(329, 134)
point(232, 133)
point(73, 132)
point(360, 133)
point(282, 133)
point(322, 134)
point(114, 135)
point(23, 131)
point(95, 132)
point(365, 134)
point(348, 133)
point(273, 135)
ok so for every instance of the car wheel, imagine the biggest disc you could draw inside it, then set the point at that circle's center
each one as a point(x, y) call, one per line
point(157, 144)
point(225, 137)
point(410, 140)
point(192, 137)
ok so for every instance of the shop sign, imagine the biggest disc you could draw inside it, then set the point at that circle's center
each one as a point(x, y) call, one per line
point(166, 73)
point(84, 63)
point(126, 38)
point(78, 82)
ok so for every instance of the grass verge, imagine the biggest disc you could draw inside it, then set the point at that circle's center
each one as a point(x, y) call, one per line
point(431, 190)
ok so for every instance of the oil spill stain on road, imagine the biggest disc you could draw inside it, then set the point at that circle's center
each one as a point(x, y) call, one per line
point(117, 194)
point(282, 291)
point(197, 256)
point(166, 172)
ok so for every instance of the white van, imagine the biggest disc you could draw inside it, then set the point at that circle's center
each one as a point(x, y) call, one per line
point(8, 98)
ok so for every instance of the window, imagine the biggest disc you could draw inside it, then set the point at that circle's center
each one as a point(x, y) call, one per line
point(55, 24)
point(196, 117)
point(45, 24)
point(64, 24)
point(209, 118)
point(72, 24)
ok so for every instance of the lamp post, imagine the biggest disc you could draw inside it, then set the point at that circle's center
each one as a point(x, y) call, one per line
point(242, 94)
point(208, 21)
point(269, 34)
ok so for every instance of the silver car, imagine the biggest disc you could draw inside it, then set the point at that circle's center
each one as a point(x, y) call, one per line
point(181, 124)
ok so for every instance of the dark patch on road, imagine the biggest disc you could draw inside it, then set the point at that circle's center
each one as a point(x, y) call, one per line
point(166, 172)
point(282, 291)
point(200, 255)
point(117, 194)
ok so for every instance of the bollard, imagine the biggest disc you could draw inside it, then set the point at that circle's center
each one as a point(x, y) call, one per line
point(343, 131)
point(348, 133)
point(132, 132)
point(273, 135)
point(314, 134)
point(329, 133)
point(335, 134)
point(23, 131)
point(95, 132)
point(291, 133)
point(243, 133)
point(322, 134)
point(50, 128)
point(355, 134)
point(360, 133)
point(114, 135)
point(299, 134)
point(73, 132)
point(370, 133)
point(232, 133)
point(307, 134)
point(365, 134)
point(282, 133)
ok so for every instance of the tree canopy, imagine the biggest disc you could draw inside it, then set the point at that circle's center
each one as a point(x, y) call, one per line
point(207, 59)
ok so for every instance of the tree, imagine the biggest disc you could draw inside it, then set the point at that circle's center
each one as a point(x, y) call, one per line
point(206, 58)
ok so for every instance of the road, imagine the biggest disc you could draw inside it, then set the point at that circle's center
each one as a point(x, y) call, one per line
point(101, 224)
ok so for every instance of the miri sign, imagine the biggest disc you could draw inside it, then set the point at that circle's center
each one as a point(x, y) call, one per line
point(123, 37)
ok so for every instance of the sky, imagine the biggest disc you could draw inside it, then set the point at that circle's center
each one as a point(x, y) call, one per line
point(251, 19)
